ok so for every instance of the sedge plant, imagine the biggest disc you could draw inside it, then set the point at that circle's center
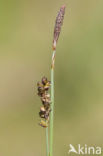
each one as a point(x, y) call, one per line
point(47, 110)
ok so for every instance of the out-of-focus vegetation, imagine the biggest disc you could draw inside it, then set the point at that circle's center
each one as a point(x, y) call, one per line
point(25, 56)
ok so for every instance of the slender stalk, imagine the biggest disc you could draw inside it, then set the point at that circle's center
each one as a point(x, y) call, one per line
point(52, 104)
point(57, 30)
point(47, 142)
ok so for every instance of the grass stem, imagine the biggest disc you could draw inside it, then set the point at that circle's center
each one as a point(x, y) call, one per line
point(47, 142)
point(52, 104)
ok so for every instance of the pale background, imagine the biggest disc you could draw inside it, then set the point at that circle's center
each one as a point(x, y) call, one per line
point(26, 33)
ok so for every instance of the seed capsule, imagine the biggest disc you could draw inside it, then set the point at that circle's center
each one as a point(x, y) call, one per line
point(42, 112)
point(43, 123)
point(44, 80)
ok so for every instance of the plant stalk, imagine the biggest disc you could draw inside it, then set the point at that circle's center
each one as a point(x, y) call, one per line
point(52, 104)
point(47, 142)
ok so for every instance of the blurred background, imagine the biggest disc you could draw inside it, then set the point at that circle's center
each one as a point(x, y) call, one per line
point(26, 36)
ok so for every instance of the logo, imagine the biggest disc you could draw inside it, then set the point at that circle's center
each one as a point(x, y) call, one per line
point(84, 149)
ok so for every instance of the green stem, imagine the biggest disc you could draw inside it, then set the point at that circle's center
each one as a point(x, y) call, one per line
point(52, 104)
point(47, 143)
